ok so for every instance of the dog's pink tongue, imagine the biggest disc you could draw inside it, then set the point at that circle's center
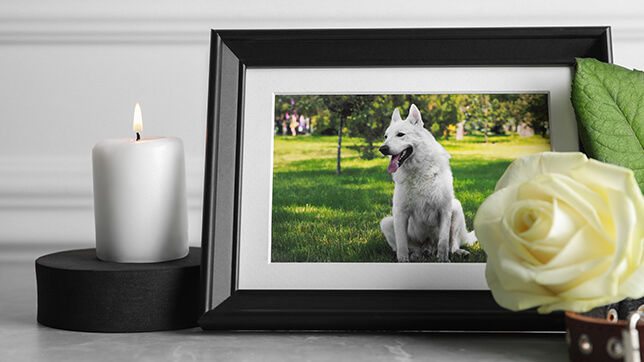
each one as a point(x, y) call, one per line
point(393, 164)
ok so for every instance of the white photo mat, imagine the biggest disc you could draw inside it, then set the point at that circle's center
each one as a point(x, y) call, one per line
point(255, 269)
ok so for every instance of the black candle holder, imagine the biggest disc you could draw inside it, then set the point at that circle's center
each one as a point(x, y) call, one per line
point(79, 292)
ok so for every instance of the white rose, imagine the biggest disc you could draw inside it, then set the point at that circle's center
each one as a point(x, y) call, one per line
point(563, 232)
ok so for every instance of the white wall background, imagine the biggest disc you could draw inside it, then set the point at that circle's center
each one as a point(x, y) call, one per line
point(71, 72)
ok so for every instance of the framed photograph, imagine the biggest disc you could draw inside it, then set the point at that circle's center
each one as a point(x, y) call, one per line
point(296, 187)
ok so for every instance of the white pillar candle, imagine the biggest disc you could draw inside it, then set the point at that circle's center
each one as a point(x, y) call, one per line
point(140, 205)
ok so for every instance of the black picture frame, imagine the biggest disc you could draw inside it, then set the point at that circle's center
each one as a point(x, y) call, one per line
point(224, 305)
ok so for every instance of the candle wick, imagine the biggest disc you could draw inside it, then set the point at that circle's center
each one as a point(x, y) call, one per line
point(138, 136)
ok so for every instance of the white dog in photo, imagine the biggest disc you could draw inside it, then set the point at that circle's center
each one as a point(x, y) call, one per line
point(426, 219)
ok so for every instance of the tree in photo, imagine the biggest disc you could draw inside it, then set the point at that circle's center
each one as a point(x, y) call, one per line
point(343, 106)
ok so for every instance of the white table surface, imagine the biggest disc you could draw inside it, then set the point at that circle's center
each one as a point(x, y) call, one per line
point(23, 339)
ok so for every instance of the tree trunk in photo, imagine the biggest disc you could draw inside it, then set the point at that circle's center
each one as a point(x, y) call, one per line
point(487, 102)
point(339, 170)
point(459, 130)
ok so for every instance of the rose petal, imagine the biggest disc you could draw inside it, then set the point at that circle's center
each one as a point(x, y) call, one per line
point(595, 287)
point(632, 286)
point(514, 274)
point(577, 250)
point(625, 227)
point(494, 205)
point(566, 223)
point(587, 203)
point(516, 300)
point(527, 167)
point(564, 279)
point(531, 221)
point(602, 175)
point(518, 235)
point(582, 272)
point(488, 217)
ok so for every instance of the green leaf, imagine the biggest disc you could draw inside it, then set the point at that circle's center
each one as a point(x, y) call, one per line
point(609, 106)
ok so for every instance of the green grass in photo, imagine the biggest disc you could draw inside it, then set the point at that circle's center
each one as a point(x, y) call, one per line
point(319, 216)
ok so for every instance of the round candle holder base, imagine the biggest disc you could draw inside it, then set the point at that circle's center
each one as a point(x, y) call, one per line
point(79, 292)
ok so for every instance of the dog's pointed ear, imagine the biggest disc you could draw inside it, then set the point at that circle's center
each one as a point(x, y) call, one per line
point(396, 116)
point(414, 116)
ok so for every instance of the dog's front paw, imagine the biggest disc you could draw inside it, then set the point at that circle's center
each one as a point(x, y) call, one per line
point(403, 258)
point(443, 256)
point(462, 252)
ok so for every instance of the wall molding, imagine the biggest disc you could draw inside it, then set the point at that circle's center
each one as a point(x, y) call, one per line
point(185, 35)
point(61, 182)
point(50, 200)
point(102, 30)
point(175, 22)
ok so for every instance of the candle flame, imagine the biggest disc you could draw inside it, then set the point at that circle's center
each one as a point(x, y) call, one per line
point(137, 124)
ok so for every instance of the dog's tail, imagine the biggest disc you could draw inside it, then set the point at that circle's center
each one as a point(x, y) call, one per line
point(459, 230)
